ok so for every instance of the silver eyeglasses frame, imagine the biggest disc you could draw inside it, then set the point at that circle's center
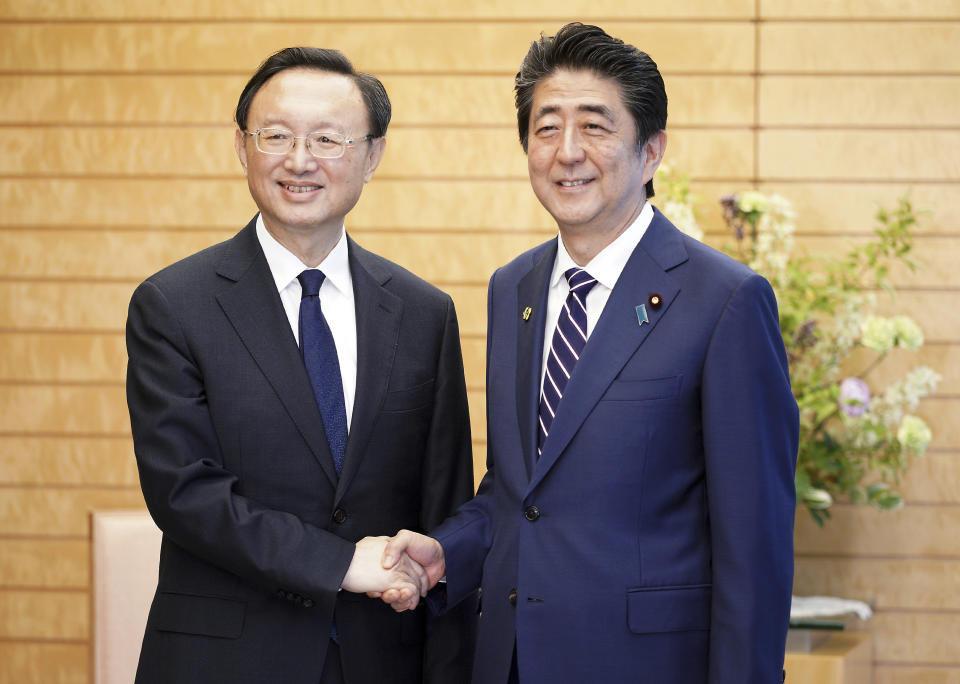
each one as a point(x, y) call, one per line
point(341, 144)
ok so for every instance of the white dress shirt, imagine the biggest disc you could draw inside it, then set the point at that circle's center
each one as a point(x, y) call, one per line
point(336, 301)
point(606, 267)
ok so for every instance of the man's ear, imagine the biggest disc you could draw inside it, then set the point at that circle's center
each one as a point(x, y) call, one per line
point(374, 155)
point(652, 152)
point(240, 144)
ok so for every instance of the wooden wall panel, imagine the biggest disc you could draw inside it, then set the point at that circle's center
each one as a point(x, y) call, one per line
point(914, 530)
point(48, 563)
point(101, 183)
point(44, 662)
point(560, 10)
point(907, 156)
point(77, 460)
point(845, 9)
point(44, 614)
point(920, 638)
point(860, 47)
point(381, 47)
point(895, 673)
point(64, 357)
point(59, 512)
point(854, 101)
point(885, 584)
point(32, 305)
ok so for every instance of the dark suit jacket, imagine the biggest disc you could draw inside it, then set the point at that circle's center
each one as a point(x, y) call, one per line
point(652, 542)
point(258, 530)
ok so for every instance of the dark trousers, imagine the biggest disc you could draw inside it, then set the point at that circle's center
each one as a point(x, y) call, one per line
point(332, 667)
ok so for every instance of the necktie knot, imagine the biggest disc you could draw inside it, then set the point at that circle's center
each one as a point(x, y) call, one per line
point(580, 282)
point(310, 282)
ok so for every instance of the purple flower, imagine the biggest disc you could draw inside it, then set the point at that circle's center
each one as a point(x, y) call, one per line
point(854, 397)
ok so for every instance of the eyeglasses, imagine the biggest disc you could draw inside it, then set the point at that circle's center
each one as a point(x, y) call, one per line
point(323, 145)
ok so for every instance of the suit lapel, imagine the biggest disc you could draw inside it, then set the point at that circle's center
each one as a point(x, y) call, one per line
point(378, 327)
point(617, 335)
point(254, 309)
point(532, 292)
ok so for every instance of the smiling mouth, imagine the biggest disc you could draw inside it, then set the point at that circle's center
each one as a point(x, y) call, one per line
point(299, 188)
point(573, 183)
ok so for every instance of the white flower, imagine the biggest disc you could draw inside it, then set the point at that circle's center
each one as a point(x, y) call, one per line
point(878, 333)
point(751, 201)
point(681, 215)
point(914, 435)
point(909, 334)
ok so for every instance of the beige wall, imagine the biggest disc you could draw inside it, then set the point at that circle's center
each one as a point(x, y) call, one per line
point(836, 104)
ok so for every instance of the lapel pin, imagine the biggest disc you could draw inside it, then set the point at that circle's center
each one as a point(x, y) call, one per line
point(655, 301)
point(642, 315)
point(526, 313)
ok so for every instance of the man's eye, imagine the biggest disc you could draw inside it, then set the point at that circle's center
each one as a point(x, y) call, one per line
point(276, 136)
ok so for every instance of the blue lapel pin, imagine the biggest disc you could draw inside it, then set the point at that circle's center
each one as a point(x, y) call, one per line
point(642, 315)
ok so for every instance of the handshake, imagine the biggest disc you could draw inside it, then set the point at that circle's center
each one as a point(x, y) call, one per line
point(399, 570)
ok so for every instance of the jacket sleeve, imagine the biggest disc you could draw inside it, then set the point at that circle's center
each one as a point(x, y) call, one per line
point(188, 490)
point(447, 483)
point(750, 432)
point(467, 535)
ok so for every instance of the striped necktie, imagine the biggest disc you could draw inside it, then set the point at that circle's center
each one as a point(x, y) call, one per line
point(568, 341)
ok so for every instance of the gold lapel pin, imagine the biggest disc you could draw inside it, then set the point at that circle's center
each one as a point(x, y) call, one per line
point(655, 301)
point(526, 313)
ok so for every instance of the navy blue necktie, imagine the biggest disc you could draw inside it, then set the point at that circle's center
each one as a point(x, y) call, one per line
point(568, 341)
point(320, 357)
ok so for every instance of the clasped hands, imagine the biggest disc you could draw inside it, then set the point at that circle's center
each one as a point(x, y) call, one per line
point(399, 570)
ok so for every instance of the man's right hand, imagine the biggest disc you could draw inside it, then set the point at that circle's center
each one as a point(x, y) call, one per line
point(422, 549)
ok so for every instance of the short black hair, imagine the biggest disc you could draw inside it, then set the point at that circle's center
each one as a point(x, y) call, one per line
point(374, 94)
point(581, 47)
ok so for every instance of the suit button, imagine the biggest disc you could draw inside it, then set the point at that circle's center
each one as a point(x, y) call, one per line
point(308, 603)
point(512, 597)
point(531, 513)
point(339, 516)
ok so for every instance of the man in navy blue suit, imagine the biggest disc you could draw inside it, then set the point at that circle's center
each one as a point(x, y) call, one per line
point(636, 520)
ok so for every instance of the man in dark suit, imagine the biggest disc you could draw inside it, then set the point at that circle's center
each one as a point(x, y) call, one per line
point(635, 522)
point(292, 396)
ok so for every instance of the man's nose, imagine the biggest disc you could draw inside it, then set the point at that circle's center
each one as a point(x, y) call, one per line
point(571, 146)
point(299, 160)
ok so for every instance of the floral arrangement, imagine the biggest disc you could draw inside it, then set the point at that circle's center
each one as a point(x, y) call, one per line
point(856, 440)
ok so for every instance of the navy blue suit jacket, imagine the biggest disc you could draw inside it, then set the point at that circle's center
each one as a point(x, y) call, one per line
point(258, 529)
point(652, 541)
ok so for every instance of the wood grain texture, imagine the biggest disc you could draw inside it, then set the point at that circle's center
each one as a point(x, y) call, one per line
point(849, 9)
point(861, 47)
point(44, 663)
point(44, 563)
point(855, 101)
point(379, 47)
point(26, 614)
point(75, 461)
point(882, 583)
point(60, 357)
point(559, 10)
point(907, 156)
point(54, 512)
point(861, 530)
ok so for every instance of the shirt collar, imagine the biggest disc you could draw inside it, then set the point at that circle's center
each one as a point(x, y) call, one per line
point(285, 266)
point(607, 265)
